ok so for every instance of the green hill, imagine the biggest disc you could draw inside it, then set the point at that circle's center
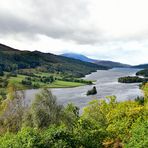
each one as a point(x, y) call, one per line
point(13, 59)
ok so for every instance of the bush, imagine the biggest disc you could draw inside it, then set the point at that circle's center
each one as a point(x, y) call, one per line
point(140, 100)
point(3, 82)
point(12, 110)
point(44, 110)
point(58, 137)
point(29, 138)
point(139, 135)
point(104, 123)
point(27, 81)
point(26, 138)
point(47, 79)
point(13, 74)
point(9, 140)
point(1, 72)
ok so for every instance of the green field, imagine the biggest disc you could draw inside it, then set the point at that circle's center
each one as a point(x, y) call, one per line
point(56, 84)
point(64, 84)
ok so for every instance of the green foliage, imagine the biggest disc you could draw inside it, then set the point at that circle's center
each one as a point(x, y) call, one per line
point(139, 135)
point(26, 138)
point(1, 72)
point(70, 116)
point(2, 94)
point(9, 140)
point(89, 134)
point(27, 81)
point(3, 82)
point(140, 100)
point(58, 137)
point(44, 110)
point(29, 138)
point(116, 118)
point(11, 111)
point(49, 79)
point(103, 123)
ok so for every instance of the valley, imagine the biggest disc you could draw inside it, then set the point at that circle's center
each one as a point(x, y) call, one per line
point(73, 74)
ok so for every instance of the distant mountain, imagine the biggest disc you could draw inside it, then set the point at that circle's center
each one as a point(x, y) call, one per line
point(110, 64)
point(141, 66)
point(78, 57)
point(13, 59)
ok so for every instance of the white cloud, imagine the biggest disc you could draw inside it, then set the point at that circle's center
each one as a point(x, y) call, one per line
point(103, 29)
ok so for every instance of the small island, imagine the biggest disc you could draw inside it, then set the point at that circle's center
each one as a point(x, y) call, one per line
point(131, 79)
point(93, 91)
point(137, 78)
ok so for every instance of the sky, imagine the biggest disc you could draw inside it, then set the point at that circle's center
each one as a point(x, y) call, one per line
point(102, 29)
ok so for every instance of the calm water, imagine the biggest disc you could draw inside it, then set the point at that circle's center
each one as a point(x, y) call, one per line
point(106, 84)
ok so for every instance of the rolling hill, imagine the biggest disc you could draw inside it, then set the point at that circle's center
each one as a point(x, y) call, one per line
point(110, 64)
point(13, 59)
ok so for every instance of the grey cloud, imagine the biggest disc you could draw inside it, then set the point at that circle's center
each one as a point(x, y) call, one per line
point(11, 24)
point(59, 19)
point(62, 19)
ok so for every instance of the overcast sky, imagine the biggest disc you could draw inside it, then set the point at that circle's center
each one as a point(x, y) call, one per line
point(102, 29)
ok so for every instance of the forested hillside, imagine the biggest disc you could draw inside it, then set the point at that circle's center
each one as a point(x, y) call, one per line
point(12, 59)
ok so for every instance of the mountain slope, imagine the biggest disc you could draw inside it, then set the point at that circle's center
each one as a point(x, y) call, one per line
point(12, 59)
point(110, 64)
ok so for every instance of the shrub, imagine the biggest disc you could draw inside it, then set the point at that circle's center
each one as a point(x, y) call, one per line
point(1, 72)
point(45, 110)
point(139, 135)
point(140, 100)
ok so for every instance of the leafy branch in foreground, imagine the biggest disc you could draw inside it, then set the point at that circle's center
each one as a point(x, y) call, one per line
point(103, 123)
point(44, 110)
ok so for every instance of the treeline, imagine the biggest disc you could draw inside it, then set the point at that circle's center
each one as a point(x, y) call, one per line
point(46, 124)
point(35, 81)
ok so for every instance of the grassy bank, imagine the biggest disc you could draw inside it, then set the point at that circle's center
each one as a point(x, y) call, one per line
point(56, 84)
